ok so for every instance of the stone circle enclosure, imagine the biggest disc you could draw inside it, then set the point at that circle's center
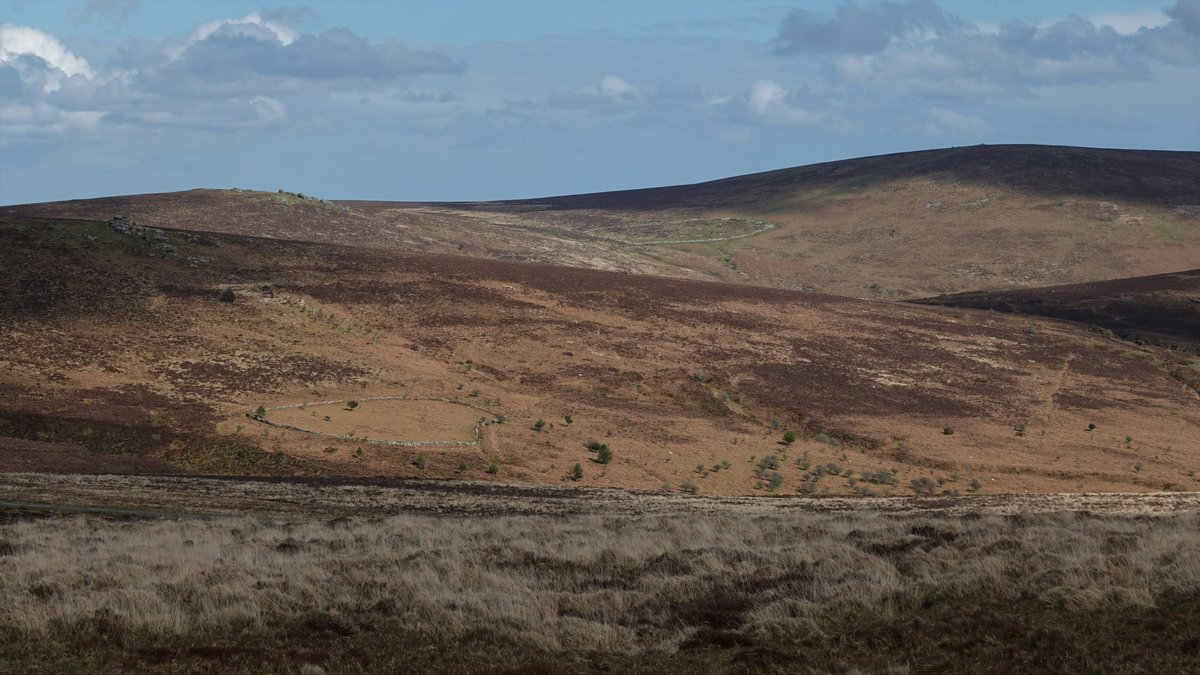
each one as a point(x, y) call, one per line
point(384, 420)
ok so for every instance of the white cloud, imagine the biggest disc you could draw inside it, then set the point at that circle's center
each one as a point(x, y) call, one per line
point(614, 87)
point(252, 25)
point(17, 42)
point(611, 93)
point(768, 101)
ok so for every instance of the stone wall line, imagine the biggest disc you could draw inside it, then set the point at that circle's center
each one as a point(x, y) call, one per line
point(369, 441)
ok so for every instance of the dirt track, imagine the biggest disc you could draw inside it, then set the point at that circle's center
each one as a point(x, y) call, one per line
point(178, 495)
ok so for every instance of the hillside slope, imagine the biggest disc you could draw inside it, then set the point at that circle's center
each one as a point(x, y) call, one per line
point(894, 226)
point(115, 342)
point(1162, 309)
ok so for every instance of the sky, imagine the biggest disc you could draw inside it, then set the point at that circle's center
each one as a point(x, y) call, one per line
point(505, 99)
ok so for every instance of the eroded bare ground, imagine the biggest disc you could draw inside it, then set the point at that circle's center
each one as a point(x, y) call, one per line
point(317, 497)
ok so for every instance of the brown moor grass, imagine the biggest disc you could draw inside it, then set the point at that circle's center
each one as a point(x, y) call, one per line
point(676, 592)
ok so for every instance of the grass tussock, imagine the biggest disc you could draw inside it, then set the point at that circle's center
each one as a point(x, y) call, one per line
point(640, 589)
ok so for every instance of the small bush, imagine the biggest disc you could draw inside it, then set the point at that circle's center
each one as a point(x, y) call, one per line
point(595, 446)
point(975, 485)
point(462, 467)
point(538, 425)
point(947, 431)
point(420, 462)
point(604, 455)
point(769, 463)
point(568, 419)
point(577, 472)
point(493, 468)
point(775, 481)
point(923, 485)
point(826, 439)
point(789, 437)
point(881, 477)
point(351, 405)
point(690, 488)
point(260, 411)
point(228, 295)
point(1091, 427)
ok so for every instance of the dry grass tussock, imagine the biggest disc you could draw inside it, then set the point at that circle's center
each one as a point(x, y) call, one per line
point(622, 584)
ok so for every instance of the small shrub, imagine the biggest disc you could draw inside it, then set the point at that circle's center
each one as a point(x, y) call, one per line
point(975, 485)
point(568, 419)
point(923, 485)
point(769, 463)
point(826, 439)
point(690, 488)
point(1138, 467)
point(1091, 427)
point(577, 472)
point(359, 453)
point(493, 468)
point(1128, 440)
point(775, 481)
point(604, 455)
point(228, 295)
point(1020, 429)
point(596, 446)
point(261, 411)
point(351, 405)
point(329, 450)
point(947, 431)
point(789, 437)
point(462, 466)
point(420, 462)
point(538, 425)
point(881, 477)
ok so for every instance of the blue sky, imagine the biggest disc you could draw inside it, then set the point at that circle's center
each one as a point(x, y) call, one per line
point(469, 99)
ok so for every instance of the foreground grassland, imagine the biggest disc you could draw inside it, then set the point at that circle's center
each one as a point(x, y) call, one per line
point(691, 585)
